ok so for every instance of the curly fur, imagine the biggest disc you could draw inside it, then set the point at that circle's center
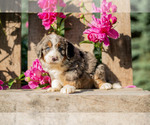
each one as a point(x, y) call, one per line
point(77, 68)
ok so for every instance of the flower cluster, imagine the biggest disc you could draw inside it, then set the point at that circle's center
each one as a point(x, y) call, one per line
point(105, 8)
point(37, 77)
point(50, 5)
point(2, 87)
point(49, 14)
point(101, 29)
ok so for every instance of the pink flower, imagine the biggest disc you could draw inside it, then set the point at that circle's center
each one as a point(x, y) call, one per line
point(2, 87)
point(47, 5)
point(131, 86)
point(106, 7)
point(49, 14)
point(5, 87)
point(33, 84)
point(95, 35)
point(27, 24)
point(50, 5)
point(113, 20)
point(61, 15)
point(101, 29)
point(37, 65)
point(46, 87)
point(45, 80)
point(113, 34)
point(113, 8)
point(1, 82)
point(36, 76)
point(95, 9)
point(61, 3)
point(25, 87)
point(49, 18)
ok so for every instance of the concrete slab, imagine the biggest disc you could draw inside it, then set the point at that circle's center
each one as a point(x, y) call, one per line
point(87, 101)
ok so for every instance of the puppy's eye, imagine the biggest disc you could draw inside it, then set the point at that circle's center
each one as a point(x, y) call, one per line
point(47, 49)
point(60, 49)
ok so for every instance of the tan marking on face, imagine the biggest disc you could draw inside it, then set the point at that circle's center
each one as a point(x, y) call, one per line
point(43, 57)
point(49, 44)
point(64, 58)
point(58, 44)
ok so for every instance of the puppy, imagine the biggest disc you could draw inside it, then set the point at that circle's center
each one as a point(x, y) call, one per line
point(69, 67)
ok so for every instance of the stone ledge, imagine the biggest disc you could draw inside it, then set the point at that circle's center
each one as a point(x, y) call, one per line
point(123, 100)
point(74, 118)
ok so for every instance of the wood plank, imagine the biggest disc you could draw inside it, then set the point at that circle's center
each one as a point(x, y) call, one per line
point(117, 56)
point(74, 6)
point(77, 25)
point(36, 33)
point(10, 46)
point(10, 6)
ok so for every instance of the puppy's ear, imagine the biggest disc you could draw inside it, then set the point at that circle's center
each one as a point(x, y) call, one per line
point(39, 49)
point(69, 50)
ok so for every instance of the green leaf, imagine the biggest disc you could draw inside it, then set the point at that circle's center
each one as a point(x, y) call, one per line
point(87, 41)
point(10, 83)
point(66, 29)
point(41, 86)
point(62, 21)
point(21, 76)
point(68, 14)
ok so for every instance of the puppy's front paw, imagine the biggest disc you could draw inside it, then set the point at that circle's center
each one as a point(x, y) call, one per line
point(56, 86)
point(117, 86)
point(67, 89)
point(106, 86)
point(52, 89)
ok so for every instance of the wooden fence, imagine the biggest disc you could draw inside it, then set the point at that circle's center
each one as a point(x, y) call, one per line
point(116, 57)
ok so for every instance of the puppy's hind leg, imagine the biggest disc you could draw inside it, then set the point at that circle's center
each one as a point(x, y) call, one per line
point(99, 78)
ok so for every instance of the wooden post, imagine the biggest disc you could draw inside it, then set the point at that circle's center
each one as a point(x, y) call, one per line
point(77, 25)
point(13, 6)
point(117, 57)
point(10, 46)
point(36, 31)
point(75, 35)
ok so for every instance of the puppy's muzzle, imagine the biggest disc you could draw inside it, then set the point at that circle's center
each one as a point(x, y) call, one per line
point(54, 59)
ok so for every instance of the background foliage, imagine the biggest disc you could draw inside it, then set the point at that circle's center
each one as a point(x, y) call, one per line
point(141, 49)
point(140, 25)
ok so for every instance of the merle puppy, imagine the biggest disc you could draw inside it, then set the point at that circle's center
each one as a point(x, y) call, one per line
point(70, 67)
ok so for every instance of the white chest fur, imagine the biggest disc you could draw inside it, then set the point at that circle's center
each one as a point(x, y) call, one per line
point(55, 71)
point(55, 74)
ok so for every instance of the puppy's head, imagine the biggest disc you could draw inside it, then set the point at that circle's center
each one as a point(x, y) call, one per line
point(54, 49)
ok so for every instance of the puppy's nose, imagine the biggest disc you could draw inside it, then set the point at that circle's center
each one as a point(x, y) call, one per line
point(54, 58)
